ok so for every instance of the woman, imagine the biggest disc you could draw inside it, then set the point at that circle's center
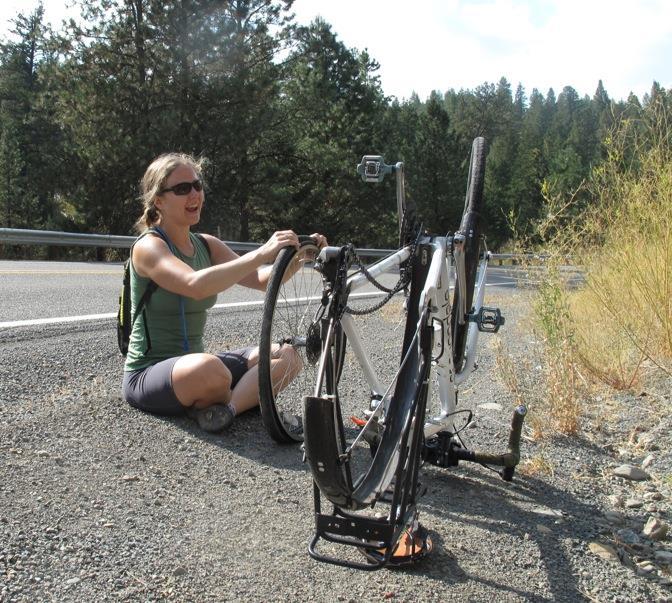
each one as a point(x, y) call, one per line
point(166, 370)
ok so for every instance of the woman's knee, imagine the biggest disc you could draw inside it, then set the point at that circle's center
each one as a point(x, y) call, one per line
point(253, 357)
point(199, 377)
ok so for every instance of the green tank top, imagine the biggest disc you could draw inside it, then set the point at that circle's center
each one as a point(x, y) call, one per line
point(164, 321)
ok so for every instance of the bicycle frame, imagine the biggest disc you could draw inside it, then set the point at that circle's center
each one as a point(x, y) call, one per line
point(435, 298)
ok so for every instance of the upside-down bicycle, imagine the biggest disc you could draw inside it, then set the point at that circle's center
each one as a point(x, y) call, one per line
point(361, 463)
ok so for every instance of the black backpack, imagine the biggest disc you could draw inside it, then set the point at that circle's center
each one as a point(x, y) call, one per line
point(124, 320)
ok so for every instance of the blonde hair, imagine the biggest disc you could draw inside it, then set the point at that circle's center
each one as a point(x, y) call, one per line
point(154, 180)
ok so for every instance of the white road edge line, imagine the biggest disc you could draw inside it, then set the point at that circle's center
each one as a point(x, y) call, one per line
point(229, 306)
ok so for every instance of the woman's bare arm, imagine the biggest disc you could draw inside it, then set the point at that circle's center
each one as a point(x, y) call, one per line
point(153, 259)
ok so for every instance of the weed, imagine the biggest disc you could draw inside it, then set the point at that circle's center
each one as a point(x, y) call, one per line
point(512, 372)
point(620, 321)
point(538, 464)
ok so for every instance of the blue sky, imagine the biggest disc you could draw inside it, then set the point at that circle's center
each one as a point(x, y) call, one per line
point(442, 44)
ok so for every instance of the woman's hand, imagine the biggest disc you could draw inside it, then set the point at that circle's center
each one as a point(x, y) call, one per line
point(278, 240)
point(320, 239)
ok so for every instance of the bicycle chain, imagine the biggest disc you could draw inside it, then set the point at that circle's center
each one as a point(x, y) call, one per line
point(402, 283)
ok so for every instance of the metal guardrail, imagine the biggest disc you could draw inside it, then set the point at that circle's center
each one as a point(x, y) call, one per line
point(16, 236)
point(518, 258)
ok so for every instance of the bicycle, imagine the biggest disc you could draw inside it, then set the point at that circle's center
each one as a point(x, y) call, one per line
point(375, 460)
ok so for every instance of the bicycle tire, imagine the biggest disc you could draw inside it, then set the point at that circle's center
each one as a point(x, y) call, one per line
point(470, 227)
point(291, 303)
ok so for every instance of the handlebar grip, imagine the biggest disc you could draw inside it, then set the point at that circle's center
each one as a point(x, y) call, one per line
point(514, 441)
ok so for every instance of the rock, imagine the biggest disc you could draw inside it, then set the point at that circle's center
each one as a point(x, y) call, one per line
point(627, 536)
point(634, 503)
point(617, 500)
point(604, 551)
point(646, 566)
point(614, 517)
point(546, 511)
point(664, 557)
point(71, 581)
point(130, 478)
point(655, 529)
point(632, 473)
point(647, 461)
point(490, 406)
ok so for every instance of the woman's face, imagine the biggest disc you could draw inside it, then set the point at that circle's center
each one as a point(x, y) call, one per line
point(178, 208)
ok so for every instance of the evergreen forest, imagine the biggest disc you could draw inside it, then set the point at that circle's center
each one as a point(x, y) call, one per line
point(283, 113)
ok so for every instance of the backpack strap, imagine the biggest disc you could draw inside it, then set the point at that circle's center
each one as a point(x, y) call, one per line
point(183, 319)
point(140, 308)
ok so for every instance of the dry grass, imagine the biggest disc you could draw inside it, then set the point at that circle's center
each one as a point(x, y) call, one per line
point(564, 383)
point(617, 328)
point(537, 465)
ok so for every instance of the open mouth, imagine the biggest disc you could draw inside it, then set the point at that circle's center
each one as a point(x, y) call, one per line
point(192, 209)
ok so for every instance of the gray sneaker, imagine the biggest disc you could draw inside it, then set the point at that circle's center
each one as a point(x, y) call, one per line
point(213, 418)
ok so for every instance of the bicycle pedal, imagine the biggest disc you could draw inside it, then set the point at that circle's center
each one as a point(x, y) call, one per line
point(488, 320)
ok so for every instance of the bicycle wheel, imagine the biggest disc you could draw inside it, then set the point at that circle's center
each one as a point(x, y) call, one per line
point(470, 227)
point(290, 343)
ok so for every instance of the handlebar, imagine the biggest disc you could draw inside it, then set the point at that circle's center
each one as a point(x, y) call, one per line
point(508, 460)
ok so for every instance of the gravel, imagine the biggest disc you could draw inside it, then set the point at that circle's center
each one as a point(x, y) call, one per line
point(102, 502)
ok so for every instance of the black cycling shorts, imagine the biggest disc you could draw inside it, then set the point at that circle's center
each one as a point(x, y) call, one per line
point(151, 388)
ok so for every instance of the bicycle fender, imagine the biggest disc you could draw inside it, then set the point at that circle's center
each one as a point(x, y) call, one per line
point(322, 450)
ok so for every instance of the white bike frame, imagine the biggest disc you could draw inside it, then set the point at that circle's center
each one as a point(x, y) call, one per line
point(435, 298)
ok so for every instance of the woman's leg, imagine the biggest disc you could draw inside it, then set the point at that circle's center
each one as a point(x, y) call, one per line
point(285, 365)
point(201, 380)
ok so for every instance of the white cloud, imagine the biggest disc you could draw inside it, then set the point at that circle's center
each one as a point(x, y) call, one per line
point(457, 44)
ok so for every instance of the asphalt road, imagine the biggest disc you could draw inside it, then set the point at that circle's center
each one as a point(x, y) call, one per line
point(32, 290)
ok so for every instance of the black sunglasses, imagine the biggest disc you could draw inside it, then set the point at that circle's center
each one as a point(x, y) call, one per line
point(184, 188)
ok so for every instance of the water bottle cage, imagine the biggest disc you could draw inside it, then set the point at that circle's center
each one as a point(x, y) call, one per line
point(488, 320)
